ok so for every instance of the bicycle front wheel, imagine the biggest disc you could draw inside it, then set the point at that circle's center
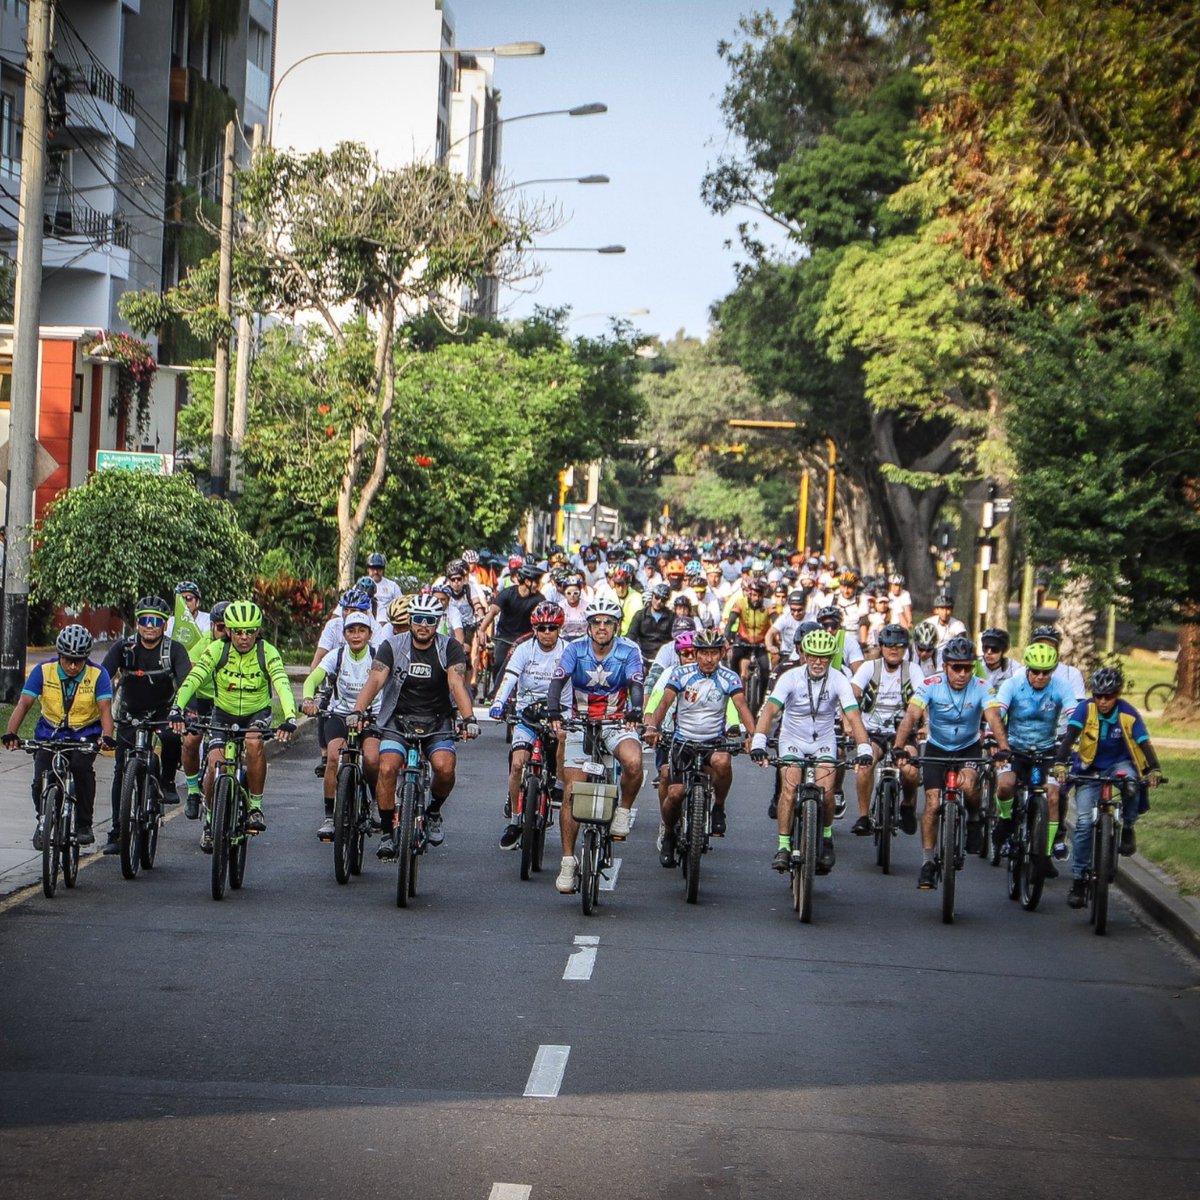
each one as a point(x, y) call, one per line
point(1157, 697)
point(151, 819)
point(405, 843)
point(885, 816)
point(530, 806)
point(70, 843)
point(51, 833)
point(222, 829)
point(239, 839)
point(1017, 847)
point(589, 868)
point(950, 822)
point(362, 827)
point(1102, 844)
point(810, 840)
point(1033, 872)
point(130, 824)
point(345, 822)
point(990, 810)
point(697, 828)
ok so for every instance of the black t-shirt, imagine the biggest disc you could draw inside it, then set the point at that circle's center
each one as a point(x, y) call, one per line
point(140, 694)
point(515, 613)
point(426, 694)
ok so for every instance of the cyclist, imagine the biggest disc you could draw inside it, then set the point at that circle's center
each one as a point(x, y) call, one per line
point(651, 624)
point(529, 670)
point(944, 621)
point(1030, 705)
point(243, 670)
point(848, 652)
point(854, 611)
point(681, 650)
point(192, 623)
point(809, 699)
point(899, 602)
point(924, 653)
point(698, 696)
point(397, 614)
point(955, 704)
point(386, 590)
point(620, 580)
point(511, 612)
point(746, 630)
point(781, 637)
point(353, 599)
point(1071, 676)
point(145, 669)
point(201, 706)
point(76, 705)
point(884, 689)
point(341, 674)
point(878, 617)
point(574, 607)
point(451, 623)
point(1112, 740)
point(995, 666)
point(466, 597)
point(420, 675)
point(606, 673)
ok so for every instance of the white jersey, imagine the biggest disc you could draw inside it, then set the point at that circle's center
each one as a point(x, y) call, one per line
point(815, 600)
point(1073, 678)
point(995, 678)
point(889, 700)
point(529, 670)
point(386, 590)
point(331, 636)
point(451, 623)
point(574, 619)
point(786, 625)
point(853, 611)
point(464, 604)
point(708, 608)
point(953, 628)
point(875, 622)
point(347, 679)
point(702, 700)
point(810, 710)
point(898, 604)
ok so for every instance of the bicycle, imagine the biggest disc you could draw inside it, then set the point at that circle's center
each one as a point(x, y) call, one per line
point(230, 802)
point(593, 805)
point(1156, 699)
point(886, 795)
point(1026, 847)
point(695, 818)
point(757, 675)
point(352, 823)
point(141, 804)
point(536, 795)
point(989, 806)
point(57, 819)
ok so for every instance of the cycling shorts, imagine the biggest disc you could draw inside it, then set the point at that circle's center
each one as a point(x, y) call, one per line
point(443, 739)
point(335, 727)
point(934, 760)
point(217, 738)
point(574, 756)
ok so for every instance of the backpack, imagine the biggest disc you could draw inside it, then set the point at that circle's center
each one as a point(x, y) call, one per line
point(119, 709)
point(871, 691)
point(224, 659)
point(337, 667)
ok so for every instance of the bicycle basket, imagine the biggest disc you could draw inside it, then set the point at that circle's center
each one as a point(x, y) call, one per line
point(593, 802)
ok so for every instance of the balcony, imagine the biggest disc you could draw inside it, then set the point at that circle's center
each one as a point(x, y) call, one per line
point(69, 218)
point(94, 99)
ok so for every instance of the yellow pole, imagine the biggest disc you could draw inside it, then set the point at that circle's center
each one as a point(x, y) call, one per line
point(560, 516)
point(829, 492)
point(802, 516)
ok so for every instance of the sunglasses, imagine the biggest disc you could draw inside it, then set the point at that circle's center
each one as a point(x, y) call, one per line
point(545, 628)
point(423, 620)
point(956, 667)
point(1036, 671)
point(151, 622)
point(603, 621)
point(453, 578)
point(71, 659)
point(685, 654)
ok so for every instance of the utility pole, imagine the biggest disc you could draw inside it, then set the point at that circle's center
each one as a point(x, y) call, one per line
point(224, 296)
point(27, 319)
point(241, 383)
point(830, 494)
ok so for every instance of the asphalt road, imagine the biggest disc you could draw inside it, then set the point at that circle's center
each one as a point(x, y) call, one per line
point(302, 1039)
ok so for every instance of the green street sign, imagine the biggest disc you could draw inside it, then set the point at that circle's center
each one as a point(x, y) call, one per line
point(131, 460)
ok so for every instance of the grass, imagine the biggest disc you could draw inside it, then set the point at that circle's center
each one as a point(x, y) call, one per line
point(1169, 834)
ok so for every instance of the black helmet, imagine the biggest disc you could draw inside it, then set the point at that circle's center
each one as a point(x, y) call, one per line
point(1107, 681)
point(188, 585)
point(155, 606)
point(797, 597)
point(376, 560)
point(217, 612)
point(942, 600)
point(661, 591)
point(830, 612)
point(805, 627)
point(1046, 633)
point(994, 639)
point(529, 573)
point(893, 635)
point(958, 649)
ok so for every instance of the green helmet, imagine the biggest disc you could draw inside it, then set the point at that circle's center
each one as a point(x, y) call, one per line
point(1040, 656)
point(243, 614)
point(820, 643)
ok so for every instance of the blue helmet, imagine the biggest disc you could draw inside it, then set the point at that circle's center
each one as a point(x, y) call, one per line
point(366, 584)
point(355, 600)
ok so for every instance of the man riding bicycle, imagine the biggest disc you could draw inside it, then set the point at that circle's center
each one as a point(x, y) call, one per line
point(746, 630)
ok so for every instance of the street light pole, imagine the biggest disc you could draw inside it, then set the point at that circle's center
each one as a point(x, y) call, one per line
point(802, 498)
point(580, 110)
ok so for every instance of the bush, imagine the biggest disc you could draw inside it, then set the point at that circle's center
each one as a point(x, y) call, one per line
point(293, 609)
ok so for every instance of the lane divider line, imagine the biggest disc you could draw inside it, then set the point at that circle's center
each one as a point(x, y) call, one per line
point(510, 1191)
point(608, 884)
point(549, 1066)
point(583, 958)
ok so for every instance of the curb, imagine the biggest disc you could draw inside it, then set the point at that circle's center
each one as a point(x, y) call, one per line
point(1154, 892)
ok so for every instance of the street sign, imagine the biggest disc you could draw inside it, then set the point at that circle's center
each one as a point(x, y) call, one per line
point(1002, 505)
point(132, 460)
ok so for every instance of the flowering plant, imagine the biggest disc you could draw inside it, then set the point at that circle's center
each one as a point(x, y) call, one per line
point(136, 369)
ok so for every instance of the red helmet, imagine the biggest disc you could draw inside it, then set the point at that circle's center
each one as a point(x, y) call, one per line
point(547, 613)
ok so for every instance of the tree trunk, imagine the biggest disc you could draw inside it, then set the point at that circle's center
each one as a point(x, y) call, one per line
point(1185, 706)
point(1077, 625)
point(1000, 575)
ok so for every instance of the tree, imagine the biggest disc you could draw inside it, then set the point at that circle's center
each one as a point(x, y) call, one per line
point(124, 535)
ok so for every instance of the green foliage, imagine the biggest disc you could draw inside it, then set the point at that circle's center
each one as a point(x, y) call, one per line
point(210, 109)
point(124, 534)
point(1105, 434)
point(293, 609)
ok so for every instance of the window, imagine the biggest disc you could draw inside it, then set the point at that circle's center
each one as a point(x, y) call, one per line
point(179, 31)
point(6, 381)
point(19, 9)
point(258, 49)
point(10, 137)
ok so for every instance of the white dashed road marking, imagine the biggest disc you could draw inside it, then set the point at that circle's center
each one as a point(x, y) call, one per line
point(510, 1191)
point(547, 1075)
point(583, 958)
point(607, 884)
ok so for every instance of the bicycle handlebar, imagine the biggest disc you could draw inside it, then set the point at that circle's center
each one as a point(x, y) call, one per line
point(33, 745)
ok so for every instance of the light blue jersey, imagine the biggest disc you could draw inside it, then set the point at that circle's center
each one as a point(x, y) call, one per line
point(1032, 714)
point(954, 716)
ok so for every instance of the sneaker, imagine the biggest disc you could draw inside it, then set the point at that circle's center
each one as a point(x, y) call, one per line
point(839, 806)
point(1061, 850)
point(622, 822)
point(1078, 894)
point(169, 794)
point(206, 840)
point(1002, 832)
point(85, 835)
point(827, 857)
point(662, 833)
point(773, 811)
point(666, 849)
point(191, 807)
point(37, 836)
point(718, 820)
point(908, 818)
point(113, 845)
point(927, 880)
point(862, 827)
point(510, 839)
point(1128, 841)
point(254, 820)
point(325, 832)
point(782, 860)
point(433, 829)
point(567, 876)
point(319, 769)
point(386, 850)
point(975, 834)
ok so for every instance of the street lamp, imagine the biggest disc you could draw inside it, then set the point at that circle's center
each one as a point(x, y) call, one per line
point(512, 187)
point(505, 50)
point(580, 110)
point(577, 249)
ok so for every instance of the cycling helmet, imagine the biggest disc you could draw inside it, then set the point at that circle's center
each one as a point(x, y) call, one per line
point(217, 612)
point(693, 566)
point(674, 567)
point(942, 600)
point(681, 598)
point(925, 635)
point(652, 552)
point(994, 639)
point(661, 591)
point(797, 597)
point(615, 576)
point(685, 639)
point(958, 649)
point(547, 613)
point(848, 578)
point(806, 627)
point(893, 635)
point(820, 643)
point(709, 639)
point(529, 573)
point(1046, 633)
point(366, 584)
point(591, 555)
point(755, 585)
point(471, 557)
point(427, 606)
point(441, 589)
point(74, 642)
point(897, 578)
point(243, 614)
point(187, 585)
point(456, 566)
point(572, 580)
point(355, 600)
point(397, 611)
point(154, 605)
point(830, 612)
point(514, 561)
point(1107, 681)
point(1041, 657)
point(376, 560)
point(604, 606)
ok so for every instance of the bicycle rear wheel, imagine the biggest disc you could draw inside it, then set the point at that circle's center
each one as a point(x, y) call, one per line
point(1016, 852)
point(530, 805)
point(950, 822)
point(405, 838)
point(362, 823)
point(888, 800)
point(345, 823)
point(589, 868)
point(697, 803)
point(239, 839)
point(130, 826)
point(51, 832)
point(990, 810)
point(70, 843)
point(810, 840)
point(1102, 843)
point(222, 820)
point(1033, 870)
point(1157, 697)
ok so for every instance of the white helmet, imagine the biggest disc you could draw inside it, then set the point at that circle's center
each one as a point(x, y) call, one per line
point(604, 606)
point(425, 606)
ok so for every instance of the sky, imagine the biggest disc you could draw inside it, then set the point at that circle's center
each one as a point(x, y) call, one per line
point(655, 64)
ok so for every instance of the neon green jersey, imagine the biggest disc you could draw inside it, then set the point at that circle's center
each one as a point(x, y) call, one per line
point(242, 684)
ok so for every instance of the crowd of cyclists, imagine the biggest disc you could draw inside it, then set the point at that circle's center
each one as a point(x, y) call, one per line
point(663, 643)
